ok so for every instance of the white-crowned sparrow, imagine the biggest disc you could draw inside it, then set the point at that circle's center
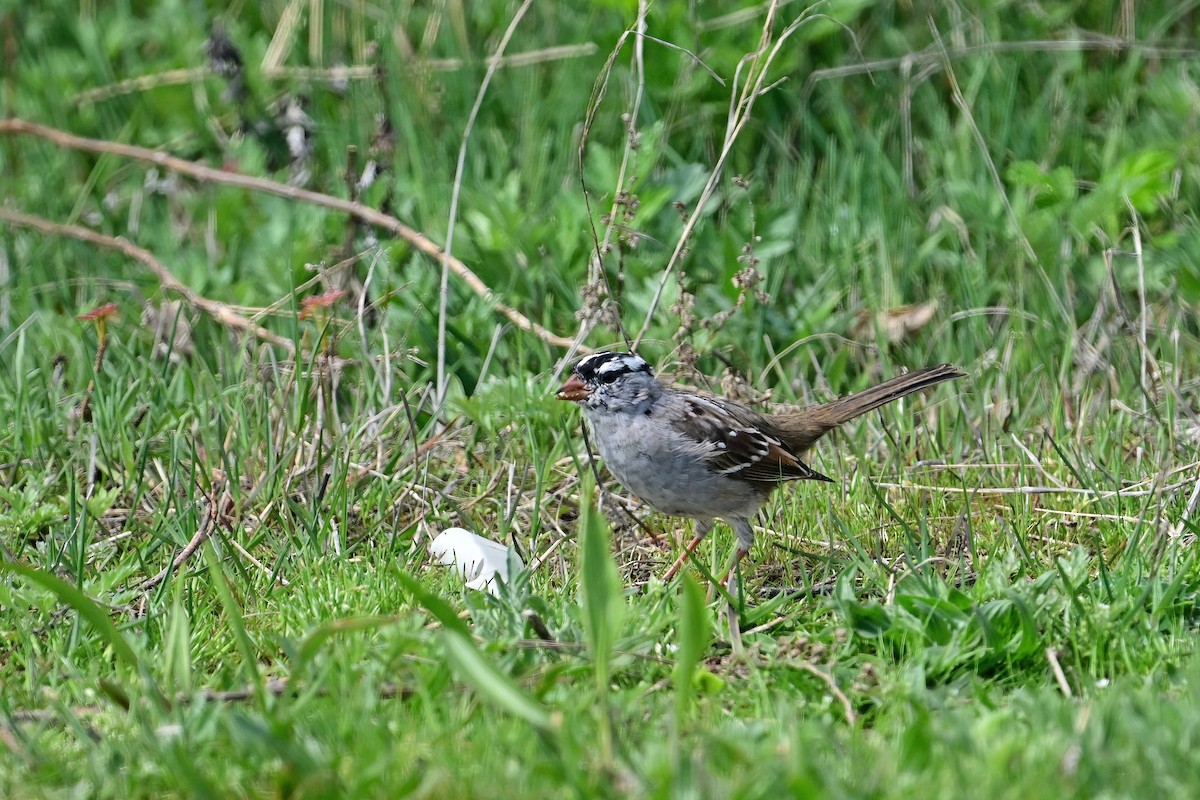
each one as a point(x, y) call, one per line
point(691, 455)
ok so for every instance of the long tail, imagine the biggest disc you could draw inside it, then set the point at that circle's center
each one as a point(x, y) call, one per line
point(801, 429)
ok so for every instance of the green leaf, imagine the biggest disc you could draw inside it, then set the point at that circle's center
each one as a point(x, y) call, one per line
point(316, 638)
point(435, 605)
point(1062, 184)
point(87, 608)
point(868, 620)
point(115, 692)
point(603, 604)
point(707, 682)
point(483, 676)
point(695, 628)
point(603, 607)
point(1025, 174)
point(1144, 177)
point(177, 644)
point(233, 612)
point(491, 684)
point(1049, 189)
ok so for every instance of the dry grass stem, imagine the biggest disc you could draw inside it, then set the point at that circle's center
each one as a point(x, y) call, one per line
point(451, 223)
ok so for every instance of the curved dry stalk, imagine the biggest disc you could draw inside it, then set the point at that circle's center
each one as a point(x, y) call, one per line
point(933, 56)
point(371, 216)
point(208, 516)
point(366, 72)
point(828, 679)
point(220, 312)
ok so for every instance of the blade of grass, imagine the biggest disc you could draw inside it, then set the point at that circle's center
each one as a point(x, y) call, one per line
point(87, 608)
point(483, 676)
point(233, 611)
point(490, 683)
point(435, 605)
point(695, 632)
point(603, 607)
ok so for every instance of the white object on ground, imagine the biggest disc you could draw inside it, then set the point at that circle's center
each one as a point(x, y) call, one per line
point(477, 559)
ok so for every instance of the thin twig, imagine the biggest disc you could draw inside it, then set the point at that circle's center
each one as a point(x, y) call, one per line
point(1189, 511)
point(1037, 462)
point(362, 72)
point(1143, 317)
point(757, 64)
point(1088, 515)
point(172, 77)
point(847, 708)
point(275, 686)
point(596, 273)
point(208, 516)
point(261, 566)
point(1139, 333)
point(936, 55)
point(1060, 677)
point(1002, 490)
point(284, 35)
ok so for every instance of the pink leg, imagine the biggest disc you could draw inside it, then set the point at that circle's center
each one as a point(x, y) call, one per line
point(729, 576)
point(745, 537)
point(731, 612)
point(702, 529)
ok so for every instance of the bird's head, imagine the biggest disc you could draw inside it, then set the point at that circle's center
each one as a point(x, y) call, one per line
point(612, 381)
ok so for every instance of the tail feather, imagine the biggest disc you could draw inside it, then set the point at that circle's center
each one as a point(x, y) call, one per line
point(801, 429)
point(856, 405)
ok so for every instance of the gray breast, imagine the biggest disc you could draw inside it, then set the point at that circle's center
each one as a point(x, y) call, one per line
point(662, 468)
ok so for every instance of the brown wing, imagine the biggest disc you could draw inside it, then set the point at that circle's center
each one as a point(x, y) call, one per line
point(739, 443)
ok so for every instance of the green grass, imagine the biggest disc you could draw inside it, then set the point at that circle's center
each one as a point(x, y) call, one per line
point(997, 597)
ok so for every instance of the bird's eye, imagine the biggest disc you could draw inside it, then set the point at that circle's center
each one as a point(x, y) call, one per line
point(609, 377)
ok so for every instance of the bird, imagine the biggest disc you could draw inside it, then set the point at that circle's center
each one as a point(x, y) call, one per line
point(705, 457)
